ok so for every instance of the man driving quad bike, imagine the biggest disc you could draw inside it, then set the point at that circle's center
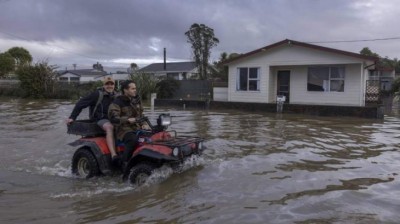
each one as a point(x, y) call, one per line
point(124, 113)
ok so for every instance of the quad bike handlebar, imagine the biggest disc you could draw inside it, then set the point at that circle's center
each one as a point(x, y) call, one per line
point(163, 121)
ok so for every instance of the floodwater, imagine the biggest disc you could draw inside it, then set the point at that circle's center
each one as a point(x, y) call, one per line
point(258, 168)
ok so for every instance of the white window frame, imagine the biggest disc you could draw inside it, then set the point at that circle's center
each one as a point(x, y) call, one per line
point(327, 82)
point(248, 79)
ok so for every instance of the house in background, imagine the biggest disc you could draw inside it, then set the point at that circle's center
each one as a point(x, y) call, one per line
point(304, 73)
point(175, 70)
point(81, 75)
point(385, 76)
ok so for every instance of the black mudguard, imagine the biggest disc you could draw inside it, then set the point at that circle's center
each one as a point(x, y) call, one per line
point(151, 156)
point(104, 161)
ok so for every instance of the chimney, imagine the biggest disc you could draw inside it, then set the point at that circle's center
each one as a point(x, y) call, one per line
point(165, 59)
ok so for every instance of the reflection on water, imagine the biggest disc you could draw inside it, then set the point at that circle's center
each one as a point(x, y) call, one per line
point(258, 168)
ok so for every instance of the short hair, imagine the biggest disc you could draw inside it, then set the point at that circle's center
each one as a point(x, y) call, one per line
point(125, 85)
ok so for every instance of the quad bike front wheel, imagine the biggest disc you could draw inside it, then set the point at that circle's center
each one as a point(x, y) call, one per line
point(84, 164)
point(140, 173)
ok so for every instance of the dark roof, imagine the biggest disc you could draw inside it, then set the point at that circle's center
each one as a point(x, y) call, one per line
point(85, 72)
point(170, 67)
point(302, 44)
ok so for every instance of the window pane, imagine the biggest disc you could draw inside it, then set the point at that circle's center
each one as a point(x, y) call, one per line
point(337, 72)
point(254, 85)
point(337, 85)
point(243, 79)
point(316, 78)
point(253, 73)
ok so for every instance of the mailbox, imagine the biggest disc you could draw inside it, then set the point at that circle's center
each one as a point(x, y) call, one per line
point(280, 98)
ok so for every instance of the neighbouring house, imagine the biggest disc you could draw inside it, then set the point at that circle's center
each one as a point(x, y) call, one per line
point(385, 76)
point(175, 70)
point(304, 73)
point(117, 76)
point(81, 75)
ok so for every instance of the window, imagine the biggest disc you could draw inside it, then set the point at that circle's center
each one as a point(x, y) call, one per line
point(248, 79)
point(173, 75)
point(74, 79)
point(326, 79)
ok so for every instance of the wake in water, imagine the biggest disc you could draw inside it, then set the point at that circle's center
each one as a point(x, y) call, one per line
point(114, 184)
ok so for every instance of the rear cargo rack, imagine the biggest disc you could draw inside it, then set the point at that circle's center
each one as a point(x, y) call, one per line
point(86, 128)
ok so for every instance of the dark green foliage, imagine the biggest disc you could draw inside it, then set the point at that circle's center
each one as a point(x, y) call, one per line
point(145, 83)
point(7, 64)
point(21, 55)
point(384, 62)
point(396, 85)
point(166, 88)
point(367, 52)
point(37, 80)
point(202, 39)
point(220, 71)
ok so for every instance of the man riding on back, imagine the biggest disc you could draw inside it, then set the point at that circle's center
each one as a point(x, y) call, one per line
point(98, 103)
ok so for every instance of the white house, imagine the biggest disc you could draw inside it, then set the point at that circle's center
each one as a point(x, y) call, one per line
point(81, 75)
point(304, 73)
point(176, 70)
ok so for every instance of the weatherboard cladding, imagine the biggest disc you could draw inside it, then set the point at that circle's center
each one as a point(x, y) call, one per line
point(170, 67)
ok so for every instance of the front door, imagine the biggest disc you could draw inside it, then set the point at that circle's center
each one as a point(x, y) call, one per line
point(283, 84)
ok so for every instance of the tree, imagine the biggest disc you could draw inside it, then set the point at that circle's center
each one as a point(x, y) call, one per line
point(221, 70)
point(21, 55)
point(134, 66)
point(167, 87)
point(37, 80)
point(367, 52)
point(146, 84)
point(385, 62)
point(7, 64)
point(202, 39)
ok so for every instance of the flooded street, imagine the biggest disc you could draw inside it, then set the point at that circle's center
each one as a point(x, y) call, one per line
point(258, 168)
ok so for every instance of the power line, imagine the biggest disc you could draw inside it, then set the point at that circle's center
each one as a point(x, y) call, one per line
point(351, 41)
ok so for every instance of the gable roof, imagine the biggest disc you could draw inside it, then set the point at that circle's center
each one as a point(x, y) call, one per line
point(170, 67)
point(85, 72)
point(302, 44)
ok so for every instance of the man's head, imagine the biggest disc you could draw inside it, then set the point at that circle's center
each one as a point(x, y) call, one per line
point(129, 88)
point(108, 84)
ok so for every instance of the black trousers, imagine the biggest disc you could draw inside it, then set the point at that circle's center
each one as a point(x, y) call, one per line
point(130, 141)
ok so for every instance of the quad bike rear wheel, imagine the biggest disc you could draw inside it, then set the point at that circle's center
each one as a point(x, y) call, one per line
point(84, 164)
point(140, 173)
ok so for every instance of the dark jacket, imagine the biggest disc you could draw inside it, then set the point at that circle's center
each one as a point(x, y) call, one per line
point(90, 101)
point(120, 110)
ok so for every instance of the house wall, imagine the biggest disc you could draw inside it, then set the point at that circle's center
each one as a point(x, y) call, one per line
point(297, 59)
point(298, 87)
point(220, 94)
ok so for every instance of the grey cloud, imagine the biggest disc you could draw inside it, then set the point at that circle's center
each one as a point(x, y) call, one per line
point(127, 29)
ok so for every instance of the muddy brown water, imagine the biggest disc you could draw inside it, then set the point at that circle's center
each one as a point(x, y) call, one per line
point(258, 168)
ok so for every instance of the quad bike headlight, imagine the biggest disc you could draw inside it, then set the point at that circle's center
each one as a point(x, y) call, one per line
point(175, 151)
point(164, 120)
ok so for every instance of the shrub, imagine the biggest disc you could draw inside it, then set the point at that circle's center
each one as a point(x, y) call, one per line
point(166, 88)
point(37, 80)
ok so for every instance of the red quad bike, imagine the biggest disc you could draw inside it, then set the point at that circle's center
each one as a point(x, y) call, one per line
point(156, 147)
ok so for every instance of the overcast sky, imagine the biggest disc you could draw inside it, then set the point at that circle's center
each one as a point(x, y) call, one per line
point(119, 32)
